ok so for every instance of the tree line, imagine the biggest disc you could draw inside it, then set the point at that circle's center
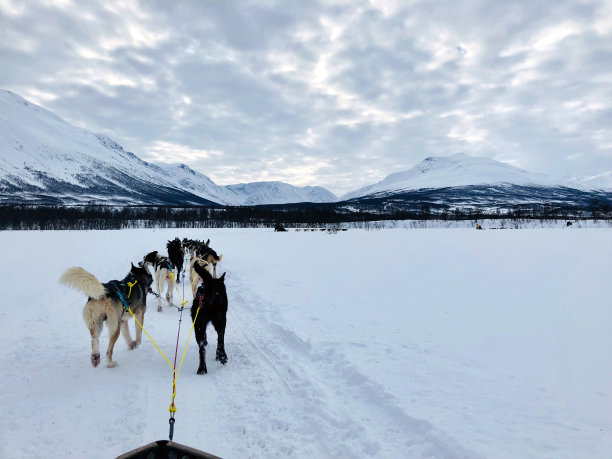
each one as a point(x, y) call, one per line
point(55, 217)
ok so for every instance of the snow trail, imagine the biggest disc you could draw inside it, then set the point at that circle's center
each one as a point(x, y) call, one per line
point(426, 349)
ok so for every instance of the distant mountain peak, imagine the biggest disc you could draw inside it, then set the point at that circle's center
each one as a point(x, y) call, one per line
point(458, 169)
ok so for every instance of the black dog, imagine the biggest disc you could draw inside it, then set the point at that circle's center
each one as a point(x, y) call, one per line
point(211, 299)
point(176, 255)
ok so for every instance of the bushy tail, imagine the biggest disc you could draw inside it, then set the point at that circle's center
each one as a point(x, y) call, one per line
point(84, 281)
point(203, 271)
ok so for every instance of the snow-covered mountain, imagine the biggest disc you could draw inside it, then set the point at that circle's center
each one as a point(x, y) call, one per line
point(187, 179)
point(458, 170)
point(461, 182)
point(45, 160)
point(600, 181)
point(244, 194)
point(279, 193)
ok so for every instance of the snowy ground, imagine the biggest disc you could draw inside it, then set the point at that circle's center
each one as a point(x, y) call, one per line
point(389, 344)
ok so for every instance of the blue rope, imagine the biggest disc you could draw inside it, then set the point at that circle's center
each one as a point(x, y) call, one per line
point(125, 305)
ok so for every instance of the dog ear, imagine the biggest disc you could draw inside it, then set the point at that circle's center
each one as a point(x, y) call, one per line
point(220, 258)
point(222, 278)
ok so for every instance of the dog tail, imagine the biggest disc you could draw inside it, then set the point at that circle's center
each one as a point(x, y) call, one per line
point(204, 265)
point(203, 271)
point(83, 281)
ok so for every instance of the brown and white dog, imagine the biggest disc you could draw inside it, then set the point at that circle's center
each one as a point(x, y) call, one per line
point(210, 257)
point(106, 304)
point(194, 277)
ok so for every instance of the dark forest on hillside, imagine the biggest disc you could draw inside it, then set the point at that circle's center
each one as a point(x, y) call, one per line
point(23, 217)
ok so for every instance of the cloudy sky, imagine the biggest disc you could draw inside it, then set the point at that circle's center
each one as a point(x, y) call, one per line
point(332, 93)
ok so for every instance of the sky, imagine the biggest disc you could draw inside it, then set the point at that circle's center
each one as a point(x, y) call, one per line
point(331, 93)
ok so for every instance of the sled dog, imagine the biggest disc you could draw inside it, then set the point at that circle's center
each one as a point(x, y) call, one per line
point(211, 300)
point(164, 275)
point(209, 256)
point(105, 305)
point(190, 246)
point(176, 255)
point(194, 277)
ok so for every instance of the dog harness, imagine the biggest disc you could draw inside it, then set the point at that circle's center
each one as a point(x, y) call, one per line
point(118, 292)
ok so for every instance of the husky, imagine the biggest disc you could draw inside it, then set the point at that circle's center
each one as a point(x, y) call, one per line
point(194, 277)
point(209, 256)
point(176, 255)
point(164, 275)
point(211, 301)
point(190, 246)
point(105, 305)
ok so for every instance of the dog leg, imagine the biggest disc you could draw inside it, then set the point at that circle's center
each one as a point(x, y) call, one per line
point(158, 288)
point(113, 334)
point(170, 292)
point(202, 350)
point(95, 331)
point(201, 340)
point(219, 325)
point(140, 316)
point(125, 331)
point(95, 322)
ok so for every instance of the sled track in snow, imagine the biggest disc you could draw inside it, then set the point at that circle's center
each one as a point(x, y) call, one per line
point(303, 371)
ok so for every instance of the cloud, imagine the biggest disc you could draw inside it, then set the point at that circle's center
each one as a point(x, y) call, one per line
point(331, 93)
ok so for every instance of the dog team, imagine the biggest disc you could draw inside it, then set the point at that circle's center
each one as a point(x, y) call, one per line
point(109, 302)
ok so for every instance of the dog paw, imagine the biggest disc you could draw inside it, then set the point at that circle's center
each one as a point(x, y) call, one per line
point(202, 370)
point(111, 364)
point(221, 357)
point(133, 345)
point(95, 360)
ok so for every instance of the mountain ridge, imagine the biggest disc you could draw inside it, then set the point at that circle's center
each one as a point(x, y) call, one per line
point(459, 170)
point(44, 159)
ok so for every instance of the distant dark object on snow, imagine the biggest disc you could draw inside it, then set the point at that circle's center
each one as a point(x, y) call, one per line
point(279, 227)
point(569, 223)
point(478, 227)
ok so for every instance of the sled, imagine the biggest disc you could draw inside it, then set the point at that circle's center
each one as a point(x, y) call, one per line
point(164, 449)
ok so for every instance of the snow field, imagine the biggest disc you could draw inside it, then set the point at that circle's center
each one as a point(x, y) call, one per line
point(389, 344)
